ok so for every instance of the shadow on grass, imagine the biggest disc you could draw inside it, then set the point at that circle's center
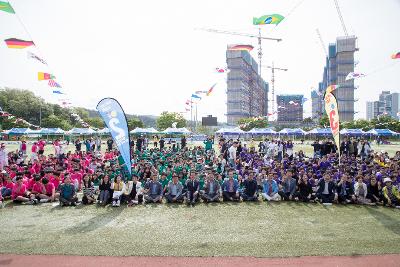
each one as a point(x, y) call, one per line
point(95, 222)
point(388, 222)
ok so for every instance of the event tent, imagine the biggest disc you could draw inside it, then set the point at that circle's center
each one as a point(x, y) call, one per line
point(261, 131)
point(320, 131)
point(143, 131)
point(17, 131)
point(230, 131)
point(382, 132)
point(176, 131)
point(288, 131)
point(82, 131)
point(353, 132)
point(103, 131)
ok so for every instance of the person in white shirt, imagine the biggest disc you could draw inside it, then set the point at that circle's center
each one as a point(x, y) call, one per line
point(232, 154)
point(3, 156)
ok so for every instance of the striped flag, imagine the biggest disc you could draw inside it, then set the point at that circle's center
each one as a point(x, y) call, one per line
point(53, 83)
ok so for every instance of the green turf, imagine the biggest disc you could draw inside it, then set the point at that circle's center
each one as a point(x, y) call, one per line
point(241, 229)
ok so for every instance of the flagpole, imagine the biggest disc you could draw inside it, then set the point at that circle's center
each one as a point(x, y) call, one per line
point(196, 117)
point(191, 113)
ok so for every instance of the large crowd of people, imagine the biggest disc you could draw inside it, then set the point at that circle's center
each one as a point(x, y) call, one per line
point(227, 170)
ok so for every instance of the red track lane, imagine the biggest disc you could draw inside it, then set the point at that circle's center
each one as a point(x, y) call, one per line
point(87, 261)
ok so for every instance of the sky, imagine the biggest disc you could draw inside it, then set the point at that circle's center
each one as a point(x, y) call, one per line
point(151, 57)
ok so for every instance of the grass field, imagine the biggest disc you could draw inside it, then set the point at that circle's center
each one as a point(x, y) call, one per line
point(240, 229)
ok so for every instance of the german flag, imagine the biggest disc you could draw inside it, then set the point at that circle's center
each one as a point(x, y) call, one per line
point(18, 43)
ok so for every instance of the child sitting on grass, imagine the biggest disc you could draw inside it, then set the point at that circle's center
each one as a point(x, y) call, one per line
point(67, 192)
point(20, 194)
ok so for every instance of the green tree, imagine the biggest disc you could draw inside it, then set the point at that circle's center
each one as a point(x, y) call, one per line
point(134, 123)
point(324, 121)
point(53, 121)
point(166, 120)
point(247, 124)
point(95, 122)
point(386, 122)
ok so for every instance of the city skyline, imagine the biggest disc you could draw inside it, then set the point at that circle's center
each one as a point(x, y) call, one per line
point(152, 60)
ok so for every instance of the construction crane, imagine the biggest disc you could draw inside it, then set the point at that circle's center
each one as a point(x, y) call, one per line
point(273, 68)
point(341, 17)
point(322, 42)
point(259, 38)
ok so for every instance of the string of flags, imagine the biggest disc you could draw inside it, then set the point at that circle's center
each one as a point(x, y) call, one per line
point(17, 43)
point(18, 120)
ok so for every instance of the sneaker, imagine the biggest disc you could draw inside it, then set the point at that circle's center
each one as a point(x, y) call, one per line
point(44, 201)
point(118, 203)
point(113, 203)
point(30, 202)
point(73, 204)
point(35, 201)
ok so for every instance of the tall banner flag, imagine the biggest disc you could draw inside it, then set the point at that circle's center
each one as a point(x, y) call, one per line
point(114, 117)
point(331, 109)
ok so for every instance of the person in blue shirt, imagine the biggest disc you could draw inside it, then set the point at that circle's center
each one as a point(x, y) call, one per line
point(270, 189)
point(230, 188)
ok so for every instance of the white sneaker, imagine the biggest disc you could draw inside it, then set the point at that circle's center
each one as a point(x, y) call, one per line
point(113, 203)
point(1, 204)
point(44, 200)
point(118, 203)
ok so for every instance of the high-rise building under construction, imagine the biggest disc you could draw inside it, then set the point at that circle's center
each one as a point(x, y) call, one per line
point(247, 92)
point(339, 63)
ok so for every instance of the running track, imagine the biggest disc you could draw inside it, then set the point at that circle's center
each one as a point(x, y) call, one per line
point(43, 261)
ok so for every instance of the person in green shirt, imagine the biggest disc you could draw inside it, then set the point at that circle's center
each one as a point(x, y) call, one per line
point(164, 181)
point(208, 144)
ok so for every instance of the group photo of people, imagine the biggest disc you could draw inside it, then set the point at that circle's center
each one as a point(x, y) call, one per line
point(216, 170)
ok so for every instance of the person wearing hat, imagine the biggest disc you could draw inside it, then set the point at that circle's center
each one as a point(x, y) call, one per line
point(391, 195)
point(3, 156)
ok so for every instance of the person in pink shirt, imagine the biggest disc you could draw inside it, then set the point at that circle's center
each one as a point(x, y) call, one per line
point(41, 145)
point(39, 190)
point(50, 189)
point(7, 187)
point(34, 151)
point(19, 193)
point(76, 177)
point(56, 180)
point(23, 147)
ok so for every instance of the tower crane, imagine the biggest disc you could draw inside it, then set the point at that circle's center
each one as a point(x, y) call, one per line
point(340, 17)
point(259, 38)
point(273, 68)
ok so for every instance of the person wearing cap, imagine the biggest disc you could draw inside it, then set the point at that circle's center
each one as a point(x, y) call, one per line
point(391, 195)
point(212, 189)
point(174, 190)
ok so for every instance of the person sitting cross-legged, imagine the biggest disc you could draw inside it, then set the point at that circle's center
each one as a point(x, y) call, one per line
point(153, 190)
point(230, 188)
point(212, 189)
point(288, 187)
point(133, 192)
point(67, 192)
point(119, 187)
point(270, 189)
point(174, 190)
point(391, 195)
point(250, 188)
point(193, 188)
point(345, 190)
point(326, 189)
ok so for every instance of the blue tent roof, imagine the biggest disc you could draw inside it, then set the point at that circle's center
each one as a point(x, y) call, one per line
point(354, 132)
point(17, 131)
point(83, 131)
point(382, 132)
point(289, 131)
point(321, 131)
point(261, 131)
point(51, 131)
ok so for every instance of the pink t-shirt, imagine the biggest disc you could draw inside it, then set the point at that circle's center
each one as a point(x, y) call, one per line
point(55, 182)
point(34, 148)
point(76, 176)
point(18, 191)
point(41, 145)
point(30, 184)
point(8, 185)
point(38, 188)
point(49, 188)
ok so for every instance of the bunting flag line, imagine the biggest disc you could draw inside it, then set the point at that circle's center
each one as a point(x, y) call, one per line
point(15, 43)
point(291, 102)
point(354, 75)
point(45, 76)
point(53, 83)
point(211, 89)
point(188, 102)
point(238, 47)
point(200, 92)
point(6, 7)
point(222, 70)
point(32, 55)
point(58, 92)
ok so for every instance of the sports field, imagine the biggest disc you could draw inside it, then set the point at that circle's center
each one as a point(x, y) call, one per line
point(242, 229)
